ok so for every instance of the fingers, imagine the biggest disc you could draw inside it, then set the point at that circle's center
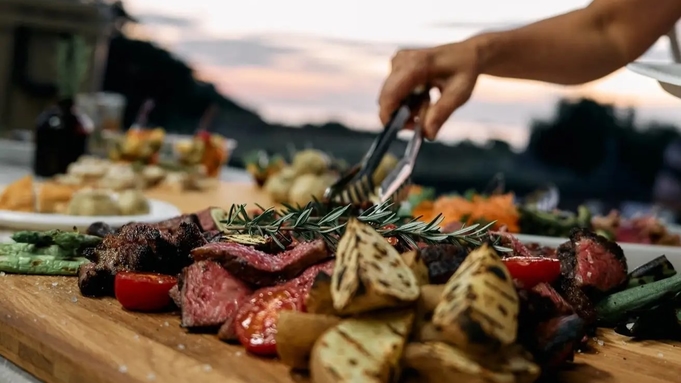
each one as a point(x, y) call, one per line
point(409, 70)
point(454, 94)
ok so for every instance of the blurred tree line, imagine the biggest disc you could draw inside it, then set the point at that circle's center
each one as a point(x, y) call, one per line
point(579, 135)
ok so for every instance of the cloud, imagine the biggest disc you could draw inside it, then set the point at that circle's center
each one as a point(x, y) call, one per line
point(250, 52)
point(159, 19)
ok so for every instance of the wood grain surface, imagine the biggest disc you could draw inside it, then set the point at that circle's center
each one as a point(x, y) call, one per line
point(49, 329)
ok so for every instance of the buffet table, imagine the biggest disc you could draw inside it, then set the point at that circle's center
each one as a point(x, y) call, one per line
point(55, 334)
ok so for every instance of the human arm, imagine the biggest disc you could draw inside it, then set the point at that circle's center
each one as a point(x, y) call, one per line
point(579, 46)
point(572, 48)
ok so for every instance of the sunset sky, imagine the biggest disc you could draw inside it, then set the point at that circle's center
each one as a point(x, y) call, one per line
point(313, 61)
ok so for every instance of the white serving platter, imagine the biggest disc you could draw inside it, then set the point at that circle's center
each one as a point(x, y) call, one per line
point(13, 220)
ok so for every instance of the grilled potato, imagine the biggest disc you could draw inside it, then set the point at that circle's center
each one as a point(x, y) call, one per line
point(297, 333)
point(479, 306)
point(417, 265)
point(369, 273)
point(362, 349)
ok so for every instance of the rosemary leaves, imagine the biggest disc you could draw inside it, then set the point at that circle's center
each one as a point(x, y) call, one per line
point(315, 220)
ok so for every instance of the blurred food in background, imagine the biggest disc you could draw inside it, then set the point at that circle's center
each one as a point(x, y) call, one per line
point(306, 178)
point(138, 145)
point(204, 148)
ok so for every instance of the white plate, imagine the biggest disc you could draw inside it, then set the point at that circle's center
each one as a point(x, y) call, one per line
point(636, 254)
point(668, 75)
point(35, 221)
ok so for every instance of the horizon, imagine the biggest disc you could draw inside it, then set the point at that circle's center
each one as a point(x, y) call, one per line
point(295, 69)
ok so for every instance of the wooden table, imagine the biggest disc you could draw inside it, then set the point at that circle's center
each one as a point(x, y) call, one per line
point(49, 329)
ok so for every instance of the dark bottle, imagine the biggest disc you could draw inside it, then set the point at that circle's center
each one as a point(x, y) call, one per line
point(60, 138)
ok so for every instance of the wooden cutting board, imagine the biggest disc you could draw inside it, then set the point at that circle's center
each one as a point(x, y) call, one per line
point(49, 329)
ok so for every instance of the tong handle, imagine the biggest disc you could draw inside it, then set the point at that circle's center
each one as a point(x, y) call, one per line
point(398, 120)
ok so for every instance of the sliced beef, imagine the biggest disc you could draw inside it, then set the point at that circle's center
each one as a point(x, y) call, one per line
point(138, 247)
point(259, 268)
point(175, 295)
point(205, 219)
point(443, 260)
point(511, 242)
point(302, 284)
point(561, 306)
point(578, 299)
point(210, 295)
point(594, 262)
point(537, 250)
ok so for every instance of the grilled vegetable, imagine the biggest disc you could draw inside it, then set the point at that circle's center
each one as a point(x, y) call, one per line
point(67, 240)
point(40, 264)
point(617, 307)
point(319, 300)
point(369, 273)
point(479, 307)
point(361, 349)
point(655, 270)
point(143, 291)
point(552, 224)
point(297, 333)
point(531, 271)
point(438, 362)
point(417, 265)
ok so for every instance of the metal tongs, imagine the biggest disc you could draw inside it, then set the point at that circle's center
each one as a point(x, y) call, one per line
point(357, 185)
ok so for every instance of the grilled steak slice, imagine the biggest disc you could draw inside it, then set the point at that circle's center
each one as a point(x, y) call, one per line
point(260, 268)
point(176, 296)
point(210, 295)
point(206, 220)
point(593, 261)
point(302, 284)
point(559, 303)
point(578, 299)
point(442, 261)
point(138, 247)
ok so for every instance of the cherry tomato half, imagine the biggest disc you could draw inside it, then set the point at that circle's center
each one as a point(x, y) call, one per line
point(143, 291)
point(256, 321)
point(531, 271)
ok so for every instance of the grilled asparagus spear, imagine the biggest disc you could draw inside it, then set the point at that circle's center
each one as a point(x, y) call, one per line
point(64, 239)
point(40, 264)
point(29, 249)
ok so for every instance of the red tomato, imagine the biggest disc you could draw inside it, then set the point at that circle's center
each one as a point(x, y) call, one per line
point(531, 271)
point(143, 291)
point(256, 321)
point(391, 240)
point(203, 135)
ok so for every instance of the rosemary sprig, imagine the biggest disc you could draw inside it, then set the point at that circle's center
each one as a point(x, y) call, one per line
point(317, 220)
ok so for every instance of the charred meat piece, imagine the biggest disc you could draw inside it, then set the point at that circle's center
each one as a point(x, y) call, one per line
point(578, 299)
point(537, 250)
point(517, 247)
point(212, 236)
point(137, 247)
point(559, 303)
point(557, 340)
point(260, 268)
point(210, 295)
point(99, 229)
point(174, 223)
point(442, 261)
point(302, 284)
point(594, 262)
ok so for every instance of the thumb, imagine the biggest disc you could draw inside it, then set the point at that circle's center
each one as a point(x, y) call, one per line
point(454, 94)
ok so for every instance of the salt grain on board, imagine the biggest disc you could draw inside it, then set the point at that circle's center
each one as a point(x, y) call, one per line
point(660, 355)
point(2, 274)
point(122, 369)
point(166, 324)
point(180, 347)
point(151, 376)
point(207, 368)
point(74, 299)
point(55, 284)
point(136, 337)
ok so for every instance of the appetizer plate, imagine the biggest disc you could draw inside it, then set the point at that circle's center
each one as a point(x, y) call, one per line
point(35, 221)
point(636, 254)
point(668, 75)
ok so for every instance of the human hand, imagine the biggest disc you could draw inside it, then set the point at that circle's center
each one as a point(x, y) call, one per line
point(452, 69)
